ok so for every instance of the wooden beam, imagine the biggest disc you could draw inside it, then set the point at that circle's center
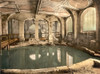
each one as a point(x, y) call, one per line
point(8, 42)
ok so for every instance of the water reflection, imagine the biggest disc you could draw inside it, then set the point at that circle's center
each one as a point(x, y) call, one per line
point(59, 55)
point(34, 57)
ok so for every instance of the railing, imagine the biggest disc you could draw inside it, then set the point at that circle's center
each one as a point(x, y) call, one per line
point(6, 40)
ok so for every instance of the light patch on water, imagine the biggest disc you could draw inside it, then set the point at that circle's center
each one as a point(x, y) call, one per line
point(32, 57)
point(39, 55)
point(47, 54)
point(59, 55)
point(69, 59)
point(53, 53)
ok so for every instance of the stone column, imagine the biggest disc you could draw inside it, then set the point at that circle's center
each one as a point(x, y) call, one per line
point(0, 25)
point(9, 27)
point(21, 31)
point(4, 27)
point(50, 32)
point(76, 22)
point(63, 24)
point(65, 31)
point(0, 30)
point(0, 44)
point(97, 5)
point(62, 29)
point(36, 30)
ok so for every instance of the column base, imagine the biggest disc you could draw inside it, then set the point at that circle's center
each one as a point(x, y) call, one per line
point(98, 46)
point(21, 39)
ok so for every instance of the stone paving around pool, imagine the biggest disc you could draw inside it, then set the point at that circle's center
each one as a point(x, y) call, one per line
point(90, 66)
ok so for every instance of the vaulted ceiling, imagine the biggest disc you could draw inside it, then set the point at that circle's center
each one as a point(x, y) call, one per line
point(19, 5)
point(54, 7)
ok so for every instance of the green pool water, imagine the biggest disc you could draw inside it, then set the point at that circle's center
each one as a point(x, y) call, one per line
point(35, 57)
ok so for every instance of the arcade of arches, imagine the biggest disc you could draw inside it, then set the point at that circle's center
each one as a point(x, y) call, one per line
point(69, 22)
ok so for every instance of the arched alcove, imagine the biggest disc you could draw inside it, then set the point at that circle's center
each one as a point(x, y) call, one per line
point(29, 28)
point(56, 29)
point(21, 17)
point(43, 29)
point(13, 26)
point(88, 20)
point(69, 25)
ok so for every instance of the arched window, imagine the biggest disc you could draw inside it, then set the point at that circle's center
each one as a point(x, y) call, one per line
point(43, 29)
point(88, 19)
point(56, 29)
point(69, 27)
point(29, 29)
point(12, 23)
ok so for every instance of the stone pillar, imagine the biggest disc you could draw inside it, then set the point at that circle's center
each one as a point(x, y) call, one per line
point(97, 6)
point(50, 32)
point(4, 27)
point(76, 22)
point(0, 30)
point(36, 30)
point(0, 25)
point(62, 29)
point(21, 31)
point(65, 31)
point(0, 44)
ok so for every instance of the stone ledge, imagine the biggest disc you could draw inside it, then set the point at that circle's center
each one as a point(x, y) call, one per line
point(85, 49)
point(85, 67)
